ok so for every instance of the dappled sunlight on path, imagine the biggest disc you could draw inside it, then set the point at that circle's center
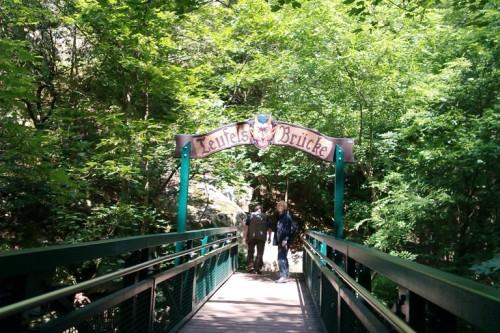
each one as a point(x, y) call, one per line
point(255, 303)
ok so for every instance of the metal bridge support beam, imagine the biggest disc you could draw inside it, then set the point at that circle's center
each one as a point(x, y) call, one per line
point(183, 195)
point(339, 192)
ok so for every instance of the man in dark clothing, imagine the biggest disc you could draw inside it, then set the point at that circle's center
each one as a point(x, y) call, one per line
point(283, 235)
point(255, 235)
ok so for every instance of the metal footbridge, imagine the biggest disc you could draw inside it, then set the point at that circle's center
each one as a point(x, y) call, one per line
point(185, 281)
point(142, 284)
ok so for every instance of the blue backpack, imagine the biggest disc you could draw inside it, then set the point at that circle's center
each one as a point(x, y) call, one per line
point(293, 228)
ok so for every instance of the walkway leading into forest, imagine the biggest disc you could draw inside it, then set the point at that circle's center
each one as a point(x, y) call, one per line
point(255, 303)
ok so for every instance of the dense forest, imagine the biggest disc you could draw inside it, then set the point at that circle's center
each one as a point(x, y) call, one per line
point(92, 93)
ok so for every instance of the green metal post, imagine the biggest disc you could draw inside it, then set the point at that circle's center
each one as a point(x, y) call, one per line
point(204, 241)
point(183, 194)
point(339, 192)
point(324, 251)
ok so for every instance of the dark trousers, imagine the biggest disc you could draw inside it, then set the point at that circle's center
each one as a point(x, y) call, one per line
point(253, 262)
point(283, 261)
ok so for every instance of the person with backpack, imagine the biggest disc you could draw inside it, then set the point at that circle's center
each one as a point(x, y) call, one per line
point(256, 228)
point(283, 235)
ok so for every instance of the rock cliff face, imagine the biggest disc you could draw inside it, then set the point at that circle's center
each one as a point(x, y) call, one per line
point(211, 207)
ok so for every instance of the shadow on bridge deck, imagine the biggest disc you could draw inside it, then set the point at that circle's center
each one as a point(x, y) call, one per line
point(255, 303)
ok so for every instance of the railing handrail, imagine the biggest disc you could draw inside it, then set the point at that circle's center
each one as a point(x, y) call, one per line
point(478, 304)
point(58, 293)
point(45, 258)
point(361, 252)
point(382, 311)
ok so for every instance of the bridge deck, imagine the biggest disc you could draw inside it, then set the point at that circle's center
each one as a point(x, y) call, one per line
point(255, 303)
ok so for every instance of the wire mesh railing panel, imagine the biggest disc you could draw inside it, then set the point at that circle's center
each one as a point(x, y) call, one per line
point(149, 289)
point(212, 273)
point(312, 273)
point(205, 280)
point(173, 301)
point(129, 316)
point(329, 305)
point(315, 288)
point(222, 267)
point(349, 322)
point(307, 269)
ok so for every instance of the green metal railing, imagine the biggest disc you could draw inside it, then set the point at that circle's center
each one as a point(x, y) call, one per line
point(149, 286)
point(339, 275)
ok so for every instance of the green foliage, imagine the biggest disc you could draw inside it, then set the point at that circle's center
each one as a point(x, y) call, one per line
point(384, 290)
point(15, 83)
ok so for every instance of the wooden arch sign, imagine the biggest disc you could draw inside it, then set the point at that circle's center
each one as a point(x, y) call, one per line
point(263, 131)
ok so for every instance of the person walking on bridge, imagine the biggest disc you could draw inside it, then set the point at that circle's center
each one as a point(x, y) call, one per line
point(283, 235)
point(256, 227)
